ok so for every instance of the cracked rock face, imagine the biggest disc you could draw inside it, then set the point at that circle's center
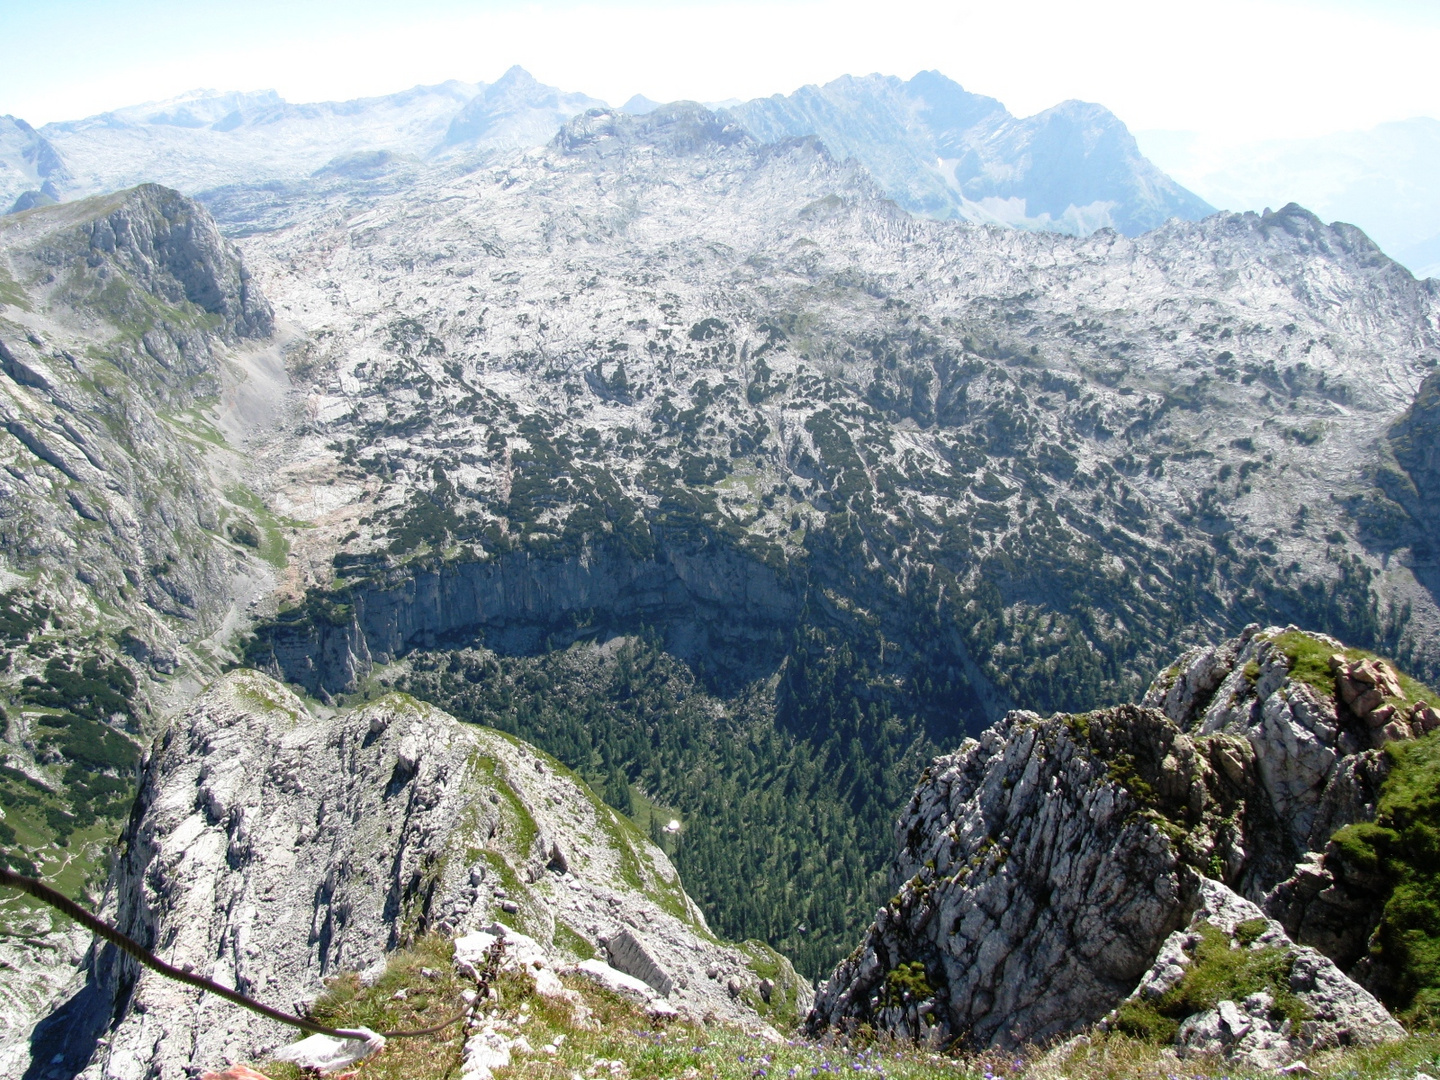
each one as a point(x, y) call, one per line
point(271, 848)
point(1035, 893)
point(1041, 867)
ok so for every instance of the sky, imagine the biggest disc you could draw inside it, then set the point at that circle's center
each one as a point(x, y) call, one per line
point(1227, 69)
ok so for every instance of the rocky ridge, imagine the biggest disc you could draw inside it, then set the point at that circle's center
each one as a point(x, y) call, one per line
point(271, 847)
point(1045, 870)
point(934, 147)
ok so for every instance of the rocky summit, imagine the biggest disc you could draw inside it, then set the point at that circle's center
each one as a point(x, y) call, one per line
point(1103, 866)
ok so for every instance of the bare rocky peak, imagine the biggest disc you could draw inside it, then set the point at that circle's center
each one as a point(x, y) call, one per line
point(120, 314)
point(514, 111)
point(271, 848)
point(941, 150)
point(1045, 871)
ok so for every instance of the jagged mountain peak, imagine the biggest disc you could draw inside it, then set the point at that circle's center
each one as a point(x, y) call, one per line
point(943, 151)
point(517, 110)
point(681, 128)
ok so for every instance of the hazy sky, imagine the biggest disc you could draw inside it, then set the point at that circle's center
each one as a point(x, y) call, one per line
point(1248, 68)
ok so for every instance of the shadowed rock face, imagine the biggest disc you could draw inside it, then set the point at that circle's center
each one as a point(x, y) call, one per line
point(710, 603)
point(1041, 866)
point(172, 248)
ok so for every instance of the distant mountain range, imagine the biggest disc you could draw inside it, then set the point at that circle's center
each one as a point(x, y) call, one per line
point(933, 146)
point(1385, 179)
point(940, 150)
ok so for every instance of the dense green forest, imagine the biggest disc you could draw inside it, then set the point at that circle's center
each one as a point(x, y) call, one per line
point(783, 838)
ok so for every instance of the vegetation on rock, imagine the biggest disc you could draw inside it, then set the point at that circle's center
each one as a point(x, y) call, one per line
point(1402, 845)
point(1218, 972)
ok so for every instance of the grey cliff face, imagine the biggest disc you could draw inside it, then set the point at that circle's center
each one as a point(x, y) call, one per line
point(271, 848)
point(172, 249)
point(1033, 894)
point(1041, 867)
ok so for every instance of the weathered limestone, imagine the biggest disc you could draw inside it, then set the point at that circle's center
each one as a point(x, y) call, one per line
point(272, 847)
point(1251, 1031)
point(1041, 867)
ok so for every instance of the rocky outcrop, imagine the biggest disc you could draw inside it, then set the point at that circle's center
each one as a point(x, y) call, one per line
point(171, 246)
point(132, 308)
point(1287, 1001)
point(1367, 688)
point(1035, 887)
point(271, 848)
point(1041, 867)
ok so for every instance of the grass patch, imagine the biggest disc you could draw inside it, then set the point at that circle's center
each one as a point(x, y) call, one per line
point(1310, 663)
point(11, 293)
point(522, 828)
point(621, 1043)
point(783, 1007)
point(1403, 845)
point(1217, 973)
point(270, 544)
point(347, 1002)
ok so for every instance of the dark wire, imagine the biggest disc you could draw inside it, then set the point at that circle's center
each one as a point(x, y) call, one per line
point(44, 893)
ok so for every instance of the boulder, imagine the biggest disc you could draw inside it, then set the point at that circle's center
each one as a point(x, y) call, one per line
point(1286, 1000)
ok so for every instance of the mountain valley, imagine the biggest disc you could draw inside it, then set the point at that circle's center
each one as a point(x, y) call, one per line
point(675, 445)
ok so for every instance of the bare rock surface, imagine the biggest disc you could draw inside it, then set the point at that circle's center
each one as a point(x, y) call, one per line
point(1041, 867)
point(272, 847)
point(1035, 892)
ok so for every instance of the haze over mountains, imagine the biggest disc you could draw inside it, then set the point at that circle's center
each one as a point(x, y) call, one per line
point(934, 147)
point(1385, 179)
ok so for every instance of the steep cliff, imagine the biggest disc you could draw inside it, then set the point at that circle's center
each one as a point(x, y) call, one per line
point(272, 848)
point(1042, 867)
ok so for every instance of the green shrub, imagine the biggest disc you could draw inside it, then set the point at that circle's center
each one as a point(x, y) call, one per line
point(1403, 845)
point(1217, 972)
point(907, 983)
